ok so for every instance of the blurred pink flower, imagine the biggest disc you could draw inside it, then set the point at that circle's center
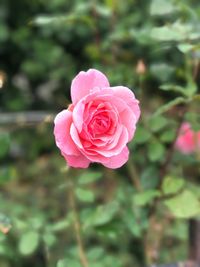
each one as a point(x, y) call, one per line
point(188, 141)
point(98, 124)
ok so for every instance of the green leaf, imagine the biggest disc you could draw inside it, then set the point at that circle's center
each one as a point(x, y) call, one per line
point(62, 263)
point(28, 243)
point(169, 105)
point(144, 198)
point(187, 91)
point(161, 7)
point(168, 135)
point(20, 224)
point(89, 177)
point(36, 222)
point(68, 263)
point(61, 19)
point(95, 253)
point(167, 33)
point(171, 185)
point(43, 20)
point(179, 230)
point(149, 177)
point(141, 135)
point(49, 239)
point(174, 32)
point(7, 173)
point(135, 219)
point(194, 119)
point(174, 88)
point(110, 230)
point(184, 205)
point(162, 71)
point(61, 224)
point(185, 47)
point(101, 215)
point(103, 11)
point(84, 195)
point(4, 32)
point(156, 123)
point(155, 151)
point(191, 88)
point(93, 51)
point(130, 222)
point(111, 4)
point(4, 144)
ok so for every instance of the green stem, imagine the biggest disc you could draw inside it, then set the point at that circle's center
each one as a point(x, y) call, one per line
point(77, 228)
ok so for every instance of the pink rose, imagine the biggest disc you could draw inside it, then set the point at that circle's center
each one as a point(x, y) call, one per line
point(98, 124)
point(188, 140)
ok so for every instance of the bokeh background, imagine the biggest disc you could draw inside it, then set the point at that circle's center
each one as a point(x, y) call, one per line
point(151, 47)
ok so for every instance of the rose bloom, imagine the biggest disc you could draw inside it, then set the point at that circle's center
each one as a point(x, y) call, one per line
point(188, 141)
point(98, 124)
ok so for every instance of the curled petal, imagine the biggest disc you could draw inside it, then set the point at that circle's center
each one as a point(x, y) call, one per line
point(62, 124)
point(79, 161)
point(117, 147)
point(128, 96)
point(85, 82)
point(118, 160)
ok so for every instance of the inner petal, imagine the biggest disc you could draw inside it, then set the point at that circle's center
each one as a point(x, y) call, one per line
point(99, 123)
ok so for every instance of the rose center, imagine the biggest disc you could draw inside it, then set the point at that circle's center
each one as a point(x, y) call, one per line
point(99, 124)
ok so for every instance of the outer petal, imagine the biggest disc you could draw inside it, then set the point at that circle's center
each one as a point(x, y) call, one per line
point(78, 115)
point(119, 160)
point(85, 82)
point(129, 121)
point(63, 139)
point(128, 96)
point(75, 136)
point(76, 161)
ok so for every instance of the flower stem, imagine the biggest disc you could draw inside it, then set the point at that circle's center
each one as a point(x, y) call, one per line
point(134, 175)
point(77, 229)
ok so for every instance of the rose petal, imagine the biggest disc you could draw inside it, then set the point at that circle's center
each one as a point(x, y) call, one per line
point(85, 82)
point(75, 136)
point(76, 161)
point(62, 123)
point(119, 160)
point(128, 96)
point(128, 119)
point(185, 142)
point(117, 147)
point(78, 115)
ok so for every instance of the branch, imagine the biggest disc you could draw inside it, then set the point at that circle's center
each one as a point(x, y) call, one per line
point(25, 117)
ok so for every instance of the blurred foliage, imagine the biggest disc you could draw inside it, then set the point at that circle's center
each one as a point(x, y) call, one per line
point(129, 217)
